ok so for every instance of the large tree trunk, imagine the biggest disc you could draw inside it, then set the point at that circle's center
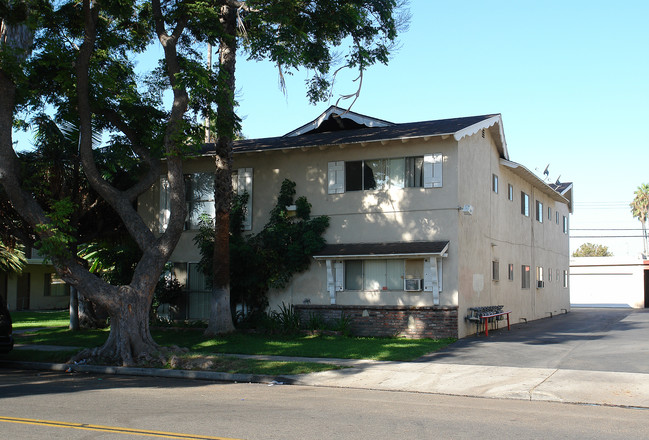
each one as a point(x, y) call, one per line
point(90, 314)
point(129, 341)
point(220, 313)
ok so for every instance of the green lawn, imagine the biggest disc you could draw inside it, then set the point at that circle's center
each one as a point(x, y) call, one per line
point(386, 349)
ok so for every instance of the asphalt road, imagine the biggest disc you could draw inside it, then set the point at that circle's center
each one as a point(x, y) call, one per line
point(584, 339)
point(84, 406)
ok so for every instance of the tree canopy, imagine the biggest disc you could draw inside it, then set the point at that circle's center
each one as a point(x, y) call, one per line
point(592, 250)
point(75, 61)
point(640, 210)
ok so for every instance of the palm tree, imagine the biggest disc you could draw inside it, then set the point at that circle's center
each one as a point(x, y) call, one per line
point(12, 258)
point(640, 210)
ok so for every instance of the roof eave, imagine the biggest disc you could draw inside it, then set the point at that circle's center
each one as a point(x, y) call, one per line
point(493, 123)
point(441, 253)
point(526, 174)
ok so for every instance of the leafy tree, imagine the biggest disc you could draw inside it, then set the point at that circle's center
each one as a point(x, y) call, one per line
point(640, 210)
point(291, 34)
point(272, 257)
point(75, 59)
point(592, 250)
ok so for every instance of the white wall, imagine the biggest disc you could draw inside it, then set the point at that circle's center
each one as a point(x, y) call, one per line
point(607, 282)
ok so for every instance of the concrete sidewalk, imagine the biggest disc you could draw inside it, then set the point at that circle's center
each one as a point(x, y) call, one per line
point(573, 386)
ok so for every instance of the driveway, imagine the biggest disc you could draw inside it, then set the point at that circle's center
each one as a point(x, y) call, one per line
point(603, 339)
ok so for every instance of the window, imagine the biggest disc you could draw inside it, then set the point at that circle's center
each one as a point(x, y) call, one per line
point(388, 275)
point(549, 275)
point(494, 183)
point(556, 214)
point(242, 184)
point(374, 274)
point(54, 286)
point(495, 270)
point(510, 272)
point(525, 277)
point(549, 214)
point(199, 195)
point(379, 174)
point(565, 224)
point(565, 278)
point(539, 277)
point(557, 275)
point(539, 211)
point(510, 192)
point(525, 204)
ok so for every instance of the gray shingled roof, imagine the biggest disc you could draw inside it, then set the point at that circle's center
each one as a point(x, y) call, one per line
point(560, 187)
point(382, 249)
point(370, 134)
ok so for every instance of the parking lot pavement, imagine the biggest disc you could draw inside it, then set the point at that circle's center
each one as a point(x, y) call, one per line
point(605, 339)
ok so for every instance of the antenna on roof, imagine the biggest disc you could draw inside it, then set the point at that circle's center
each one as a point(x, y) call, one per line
point(546, 172)
point(557, 182)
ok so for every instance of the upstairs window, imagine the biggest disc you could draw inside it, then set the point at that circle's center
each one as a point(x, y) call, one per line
point(565, 224)
point(525, 277)
point(494, 183)
point(539, 211)
point(199, 195)
point(525, 204)
point(495, 270)
point(510, 274)
point(510, 192)
point(379, 174)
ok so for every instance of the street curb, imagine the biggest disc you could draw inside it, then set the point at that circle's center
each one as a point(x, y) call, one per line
point(152, 372)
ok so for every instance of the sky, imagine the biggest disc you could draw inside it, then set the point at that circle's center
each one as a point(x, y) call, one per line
point(570, 79)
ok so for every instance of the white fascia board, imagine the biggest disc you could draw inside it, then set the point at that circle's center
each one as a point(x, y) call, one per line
point(532, 178)
point(442, 253)
point(487, 123)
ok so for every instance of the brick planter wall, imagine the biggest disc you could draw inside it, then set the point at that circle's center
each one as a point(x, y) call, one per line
point(404, 321)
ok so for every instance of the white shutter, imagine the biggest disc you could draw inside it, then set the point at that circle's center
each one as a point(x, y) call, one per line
point(244, 184)
point(336, 177)
point(334, 278)
point(165, 208)
point(340, 274)
point(431, 279)
point(433, 170)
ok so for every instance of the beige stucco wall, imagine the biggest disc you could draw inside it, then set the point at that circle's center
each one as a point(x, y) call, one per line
point(498, 231)
point(37, 298)
point(409, 214)
point(607, 281)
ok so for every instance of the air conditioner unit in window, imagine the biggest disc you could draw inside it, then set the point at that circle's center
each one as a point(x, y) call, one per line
point(540, 284)
point(413, 285)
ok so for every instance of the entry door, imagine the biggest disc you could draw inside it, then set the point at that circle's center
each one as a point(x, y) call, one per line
point(22, 297)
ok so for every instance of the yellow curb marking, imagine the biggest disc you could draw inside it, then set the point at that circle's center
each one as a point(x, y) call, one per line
point(115, 429)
